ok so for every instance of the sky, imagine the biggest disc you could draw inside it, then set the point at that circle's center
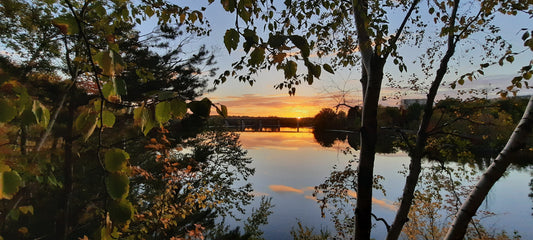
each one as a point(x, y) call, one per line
point(262, 99)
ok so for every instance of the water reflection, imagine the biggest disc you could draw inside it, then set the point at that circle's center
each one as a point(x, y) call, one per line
point(328, 138)
point(289, 164)
point(287, 140)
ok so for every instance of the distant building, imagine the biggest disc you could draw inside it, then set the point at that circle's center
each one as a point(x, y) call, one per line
point(408, 102)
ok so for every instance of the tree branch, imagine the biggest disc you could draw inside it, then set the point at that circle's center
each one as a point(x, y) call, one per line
point(496, 170)
point(404, 22)
point(382, 220)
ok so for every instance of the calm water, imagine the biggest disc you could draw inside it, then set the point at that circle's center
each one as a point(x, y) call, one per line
point(289, 164)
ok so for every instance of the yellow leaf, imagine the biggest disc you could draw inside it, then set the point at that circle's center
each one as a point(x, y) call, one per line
point(26, 209)
point(23, 230)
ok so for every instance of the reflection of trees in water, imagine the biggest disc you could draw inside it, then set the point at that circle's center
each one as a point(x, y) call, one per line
point(531, 193)
point(201, 179)
point(328, 138)
point(385, 144)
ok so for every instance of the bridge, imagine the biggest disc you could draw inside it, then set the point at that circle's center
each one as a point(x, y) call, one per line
point(265, 124)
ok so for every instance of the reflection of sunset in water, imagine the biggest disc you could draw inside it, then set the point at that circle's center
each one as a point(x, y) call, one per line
point(284, 140)
point(288, 164)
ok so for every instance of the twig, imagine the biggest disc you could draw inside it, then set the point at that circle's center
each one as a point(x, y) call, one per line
point(382, 220)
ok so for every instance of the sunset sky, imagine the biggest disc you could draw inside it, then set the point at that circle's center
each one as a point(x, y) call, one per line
point(262, 99)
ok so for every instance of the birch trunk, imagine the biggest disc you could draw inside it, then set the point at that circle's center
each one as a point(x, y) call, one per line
point(371, 81)
point(493, 173)
point(515, 143)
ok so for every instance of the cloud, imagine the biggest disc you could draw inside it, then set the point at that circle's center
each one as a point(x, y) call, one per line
point(384, 203)
point(283, 188)
point(310, 197)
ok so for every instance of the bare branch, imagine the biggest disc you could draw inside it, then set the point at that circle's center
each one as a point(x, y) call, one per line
point(382, 220)
point(404, 22)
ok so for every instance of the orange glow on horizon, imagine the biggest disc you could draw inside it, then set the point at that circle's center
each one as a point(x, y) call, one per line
point(287, 112)
point(274, 105)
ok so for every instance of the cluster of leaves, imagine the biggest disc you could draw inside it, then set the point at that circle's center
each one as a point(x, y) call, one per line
point(283, 49)
point(464, 130)
point(188, 185)
point(84, 62)
point(306, 233)
point(17, 107)
point(336, 196)
point(438, 199)
point(520, 81)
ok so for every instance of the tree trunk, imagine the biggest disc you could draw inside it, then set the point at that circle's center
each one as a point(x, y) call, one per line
point(516, 142)
point(415, 167)
point(368, 133)
point(68, 168)
point(23, 139)
point(371, 80)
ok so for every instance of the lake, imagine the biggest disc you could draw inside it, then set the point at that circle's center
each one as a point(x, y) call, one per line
point(289, 164)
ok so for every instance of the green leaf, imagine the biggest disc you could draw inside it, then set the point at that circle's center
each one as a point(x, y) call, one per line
point(178, 108)
point(120, 211)
point(103, 59)
point(310, 78)
point(276, 41)
point(108, 118)
point(165, 95)
point(10, 182)
point(257, 56)
point(147, 121)
point(66, 24)
point(229, 5)
point(7, 111)
point(290, 69)
point(163, 111)
point(316, 70)
point(328, 68)
point(111, 63)
point(85, 124)
point(250, 38)
point(529, 43)
point(223, 111)
point(245, 15)
point(149, 12)
point(527, 75)
point(120, 87)
point(14, 214)
point(301, 43)
point(117, 185)
point(137, 116)
point(201, 108)
point(99, 9)
point(108, 90)
point(42, 115)
point(115, 160)
point(231, 39)
point(27, 118)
